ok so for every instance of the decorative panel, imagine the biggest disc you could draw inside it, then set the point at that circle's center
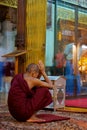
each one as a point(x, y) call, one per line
point(10, 3)
point(69, 14)
point(82, 3)
point(35, 30)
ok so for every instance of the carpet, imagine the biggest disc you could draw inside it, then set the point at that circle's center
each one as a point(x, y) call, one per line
point(45, 117)
point(80, 102)
point(50, 118)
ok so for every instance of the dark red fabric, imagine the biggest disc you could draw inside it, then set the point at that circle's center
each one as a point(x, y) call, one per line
point(23, 102)
point(81, 102)
point(50, 118)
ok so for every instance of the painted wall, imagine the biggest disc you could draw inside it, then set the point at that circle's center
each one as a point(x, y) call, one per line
point(50, 42)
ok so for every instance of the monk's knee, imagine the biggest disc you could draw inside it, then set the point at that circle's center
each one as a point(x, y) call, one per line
point(46, 92)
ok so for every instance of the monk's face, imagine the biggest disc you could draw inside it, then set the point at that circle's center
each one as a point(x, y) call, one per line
point(39, 75)
point(35, 74)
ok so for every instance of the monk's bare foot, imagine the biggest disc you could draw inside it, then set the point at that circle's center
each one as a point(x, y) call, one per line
point(35, 119)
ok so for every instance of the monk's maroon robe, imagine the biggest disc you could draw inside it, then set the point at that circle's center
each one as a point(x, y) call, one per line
point(23, 102)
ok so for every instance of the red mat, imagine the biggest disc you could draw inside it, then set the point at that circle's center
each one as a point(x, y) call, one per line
point(80, 102)
point(50, 118)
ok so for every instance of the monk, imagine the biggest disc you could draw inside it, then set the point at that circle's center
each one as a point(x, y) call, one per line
point(28, 94)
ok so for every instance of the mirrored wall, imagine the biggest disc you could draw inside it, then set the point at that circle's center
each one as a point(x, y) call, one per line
point(66, 44)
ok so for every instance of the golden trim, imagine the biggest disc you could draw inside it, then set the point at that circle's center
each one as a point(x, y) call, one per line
point(9, 3)
point(73, 109)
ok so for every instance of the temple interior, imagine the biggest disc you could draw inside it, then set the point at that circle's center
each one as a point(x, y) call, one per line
point(56, 33)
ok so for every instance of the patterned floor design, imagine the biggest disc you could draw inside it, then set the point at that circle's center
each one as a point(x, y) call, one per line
point(77, 121)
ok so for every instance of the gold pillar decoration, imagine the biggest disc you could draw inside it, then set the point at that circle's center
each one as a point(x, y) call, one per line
point(10, 3)
point(35, 30)
point(59, 35)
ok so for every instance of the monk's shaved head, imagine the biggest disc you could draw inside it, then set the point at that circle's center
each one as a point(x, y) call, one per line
point(33, 67)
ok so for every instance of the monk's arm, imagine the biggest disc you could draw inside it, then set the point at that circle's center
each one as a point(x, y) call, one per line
point(39, 83)
point(42, 70)
point(46, 78)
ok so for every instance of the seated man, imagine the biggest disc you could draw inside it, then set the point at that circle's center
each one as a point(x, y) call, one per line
point(28, 93)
